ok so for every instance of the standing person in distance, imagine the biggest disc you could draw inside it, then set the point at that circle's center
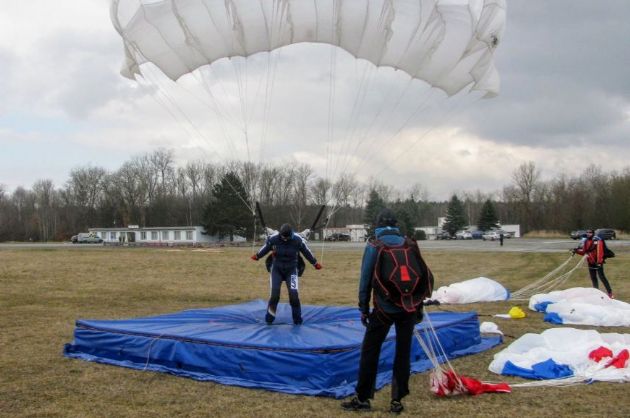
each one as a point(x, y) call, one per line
point(286, 246)
point(390, 261)
point(594, 249)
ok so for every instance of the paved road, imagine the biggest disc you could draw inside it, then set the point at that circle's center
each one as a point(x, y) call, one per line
point(510, 245)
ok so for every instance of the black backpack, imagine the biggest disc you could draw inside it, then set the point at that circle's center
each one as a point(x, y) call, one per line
point(401, 274)
point(608, 253)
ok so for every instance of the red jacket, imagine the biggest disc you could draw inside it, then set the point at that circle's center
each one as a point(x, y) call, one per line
point(594, 250)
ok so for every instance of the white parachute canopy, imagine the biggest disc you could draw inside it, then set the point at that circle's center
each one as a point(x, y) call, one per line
point(566, 353)
point(364, 73)
point(581, 306)
point(480, 289)
point(447, 43)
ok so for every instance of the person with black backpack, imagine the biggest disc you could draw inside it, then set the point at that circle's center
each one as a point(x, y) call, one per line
point(596, 253)
point(395, 275)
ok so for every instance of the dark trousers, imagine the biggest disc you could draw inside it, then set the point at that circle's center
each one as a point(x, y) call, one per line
point(375, 334)
point(595, 271)
point(288, 275)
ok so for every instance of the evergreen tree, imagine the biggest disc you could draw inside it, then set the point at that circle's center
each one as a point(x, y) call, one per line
point(488, 217)
point(455, 216)
point(407, 212)
point(226, 214)
point(373, 206)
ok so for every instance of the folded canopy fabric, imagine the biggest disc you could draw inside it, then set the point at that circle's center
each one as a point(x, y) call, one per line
point(232, 345)
point(480, 289)
point(566, 352)
point(581, 306)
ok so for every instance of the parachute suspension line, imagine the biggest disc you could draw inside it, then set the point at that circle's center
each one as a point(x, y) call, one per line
point(434, 350)
point(351, 152)
point(455, 110)
point(331, 103)
point(441, 374)
point(193, 41)
point(355, 137)
point(548, 282)
point(357, 107)
point(269, 76)
point(163, 89)
point(242, 95)
point(196, 133)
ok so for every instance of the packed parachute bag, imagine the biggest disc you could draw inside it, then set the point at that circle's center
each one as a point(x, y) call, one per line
point(401, 275)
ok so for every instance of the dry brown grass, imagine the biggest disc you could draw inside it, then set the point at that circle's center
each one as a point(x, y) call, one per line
point(45, 291)
point(545, 234)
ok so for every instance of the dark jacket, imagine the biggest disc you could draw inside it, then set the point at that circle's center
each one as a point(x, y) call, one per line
point(390, 236)
point(285, 253)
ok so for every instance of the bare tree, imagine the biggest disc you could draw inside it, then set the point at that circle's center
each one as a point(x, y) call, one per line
point(301, 177)
point(321, 190)
point(45, 205)
point(162, 161)
point(526, 178)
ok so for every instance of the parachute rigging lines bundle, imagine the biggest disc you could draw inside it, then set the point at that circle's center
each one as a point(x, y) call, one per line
point(550, 281)
point(387, 60)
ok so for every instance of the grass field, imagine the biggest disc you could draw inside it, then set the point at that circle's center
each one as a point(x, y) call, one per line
point(44, 291)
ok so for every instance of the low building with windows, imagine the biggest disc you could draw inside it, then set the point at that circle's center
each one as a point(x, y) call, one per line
point(159, 235)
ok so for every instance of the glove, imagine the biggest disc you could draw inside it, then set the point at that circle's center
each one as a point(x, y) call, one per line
point(365, 319)
point(254, 257)
point(318, 266)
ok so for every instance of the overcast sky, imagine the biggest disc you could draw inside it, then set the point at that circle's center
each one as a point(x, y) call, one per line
point(564, 104)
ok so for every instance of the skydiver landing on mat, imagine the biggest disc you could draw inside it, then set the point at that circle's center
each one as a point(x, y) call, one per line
point(286, 246)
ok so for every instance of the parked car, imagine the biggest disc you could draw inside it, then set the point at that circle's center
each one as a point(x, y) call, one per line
point(338, 236)
point(463, 235)
point(506, 234)
point(578, 234)
point(444, 235)
point(606, 233)
point(490, 235)
point(477, 234)
point(86, 238)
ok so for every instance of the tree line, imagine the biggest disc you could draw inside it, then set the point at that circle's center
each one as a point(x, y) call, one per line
point(152, 190)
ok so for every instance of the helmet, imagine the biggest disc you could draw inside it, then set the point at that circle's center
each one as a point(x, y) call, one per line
point(386, 218)
point(286, 231)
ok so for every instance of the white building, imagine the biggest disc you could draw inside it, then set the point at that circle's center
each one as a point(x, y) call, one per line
point(162, 235)
point(358, 233)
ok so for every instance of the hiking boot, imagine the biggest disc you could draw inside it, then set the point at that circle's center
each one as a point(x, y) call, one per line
point(355, 404)
point(396, 407)
point(298, 322)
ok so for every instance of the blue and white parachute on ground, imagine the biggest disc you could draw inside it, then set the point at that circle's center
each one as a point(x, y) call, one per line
point(581, 306)
point(480, 289)
point(566, 353)
point(232, 345)
point(447, 43)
